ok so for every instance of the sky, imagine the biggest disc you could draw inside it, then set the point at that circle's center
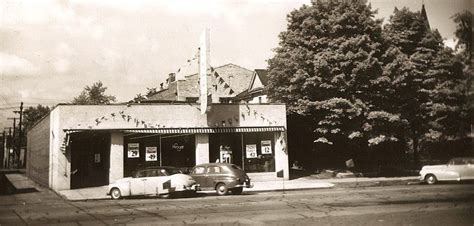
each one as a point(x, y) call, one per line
point(51, 49)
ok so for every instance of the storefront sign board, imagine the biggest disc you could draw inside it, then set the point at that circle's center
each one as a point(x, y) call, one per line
point(151, 154)
point(251, 151)
point(133, 150)
point(266, 146)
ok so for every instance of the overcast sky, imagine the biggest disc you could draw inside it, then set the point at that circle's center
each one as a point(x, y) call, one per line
point(50, 50)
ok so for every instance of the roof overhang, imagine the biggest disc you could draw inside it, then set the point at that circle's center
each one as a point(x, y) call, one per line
point(192, 130)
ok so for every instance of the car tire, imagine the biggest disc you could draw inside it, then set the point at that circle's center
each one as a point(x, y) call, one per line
point(431, 179)
point(115, 193)
point(221, 189)
point(237, 191)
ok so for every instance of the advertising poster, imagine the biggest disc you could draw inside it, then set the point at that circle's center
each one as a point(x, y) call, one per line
point(251, 150)
point(133, 150)
point(151, 154)
point(266, 147)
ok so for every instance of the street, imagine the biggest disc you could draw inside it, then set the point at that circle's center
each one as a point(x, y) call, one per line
point(444, 204)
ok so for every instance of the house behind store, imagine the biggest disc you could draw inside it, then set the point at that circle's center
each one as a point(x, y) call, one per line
point(78, 146)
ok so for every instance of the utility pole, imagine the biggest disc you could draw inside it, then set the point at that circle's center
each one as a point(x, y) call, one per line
point(15, 152)
point(2, 150)
point(7, 147)
point(20, 136)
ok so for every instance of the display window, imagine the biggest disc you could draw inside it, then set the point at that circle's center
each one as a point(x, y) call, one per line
point(252, 151)
point(259, 151)
point(145, 150)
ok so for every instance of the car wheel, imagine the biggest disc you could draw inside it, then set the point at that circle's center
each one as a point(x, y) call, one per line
point(431, 179)
point(237, 191)
point(115, 193)
point(221, 189)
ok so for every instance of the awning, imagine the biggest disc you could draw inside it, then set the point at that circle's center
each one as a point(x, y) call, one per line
point(186, 130)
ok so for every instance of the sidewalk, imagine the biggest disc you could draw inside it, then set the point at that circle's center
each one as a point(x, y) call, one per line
point(20, 181)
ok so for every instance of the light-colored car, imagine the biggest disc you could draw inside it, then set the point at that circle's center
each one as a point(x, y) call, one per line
point(159, 181)
point(221, 177)
point(457, 169)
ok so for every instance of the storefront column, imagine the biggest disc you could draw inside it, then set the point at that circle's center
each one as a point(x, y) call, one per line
point(116, 157)
point(281, 155)
point(202, 148)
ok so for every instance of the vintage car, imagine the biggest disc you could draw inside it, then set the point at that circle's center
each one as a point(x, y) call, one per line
point(456, 169)
point(159, 181)
point(222, 177)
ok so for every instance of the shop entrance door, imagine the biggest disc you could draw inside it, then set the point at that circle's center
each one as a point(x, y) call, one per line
point(89, 159)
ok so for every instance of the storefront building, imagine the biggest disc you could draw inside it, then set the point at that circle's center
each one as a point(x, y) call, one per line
point(78, 146)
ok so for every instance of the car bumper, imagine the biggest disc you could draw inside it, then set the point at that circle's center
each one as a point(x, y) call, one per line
point(245, 185)
point(194, 187)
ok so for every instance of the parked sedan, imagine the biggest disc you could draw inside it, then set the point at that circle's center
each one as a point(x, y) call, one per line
point(222, 177)
point(456, 169)
point(161, 181)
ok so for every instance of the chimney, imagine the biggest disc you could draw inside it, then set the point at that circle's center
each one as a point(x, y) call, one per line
point(161, 86)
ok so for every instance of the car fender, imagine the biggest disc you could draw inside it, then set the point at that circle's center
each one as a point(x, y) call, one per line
point(441, 174)
point(123, 185)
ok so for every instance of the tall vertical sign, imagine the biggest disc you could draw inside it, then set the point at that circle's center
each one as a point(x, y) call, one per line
point(204, 57)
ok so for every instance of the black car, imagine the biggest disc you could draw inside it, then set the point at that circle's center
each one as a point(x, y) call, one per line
point(222, 177)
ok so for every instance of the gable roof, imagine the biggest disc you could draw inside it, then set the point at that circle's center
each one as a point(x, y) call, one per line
point(262, 75)
point(226, 81)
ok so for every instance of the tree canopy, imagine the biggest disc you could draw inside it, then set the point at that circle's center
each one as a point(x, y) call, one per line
point(94, 95)
point(31, 115)
point(363, 85)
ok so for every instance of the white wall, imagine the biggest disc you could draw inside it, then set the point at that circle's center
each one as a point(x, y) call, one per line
point(202, 148)
point(116, 157)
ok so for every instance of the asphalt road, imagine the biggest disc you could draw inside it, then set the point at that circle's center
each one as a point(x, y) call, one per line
point(446, 204)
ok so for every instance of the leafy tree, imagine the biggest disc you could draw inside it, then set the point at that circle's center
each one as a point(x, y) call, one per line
point(327, 67)
point(426, 79)
point(464, 32)
point(94, 95)
point(31, 115)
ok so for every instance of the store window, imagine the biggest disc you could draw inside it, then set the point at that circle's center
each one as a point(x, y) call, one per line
point(254, 152)
point(259, 150)
point(226, 148)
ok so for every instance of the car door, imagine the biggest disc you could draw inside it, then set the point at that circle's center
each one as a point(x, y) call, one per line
point(214, 175)
point(154, 182)
point(455, 169)
point(470, 169)
point(199, 174)
point(466, 169)
point(137, 183)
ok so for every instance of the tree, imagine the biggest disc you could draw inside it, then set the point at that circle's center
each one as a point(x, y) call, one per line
point(31, 115)
point(94, 95)
point(327, 67)
point(464, 33)
point(426, 79)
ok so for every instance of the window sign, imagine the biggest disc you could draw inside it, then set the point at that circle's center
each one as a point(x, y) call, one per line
point(133, 150)
point(266, 146)
point(151, 154)
point(251, 150)
point(97, 158)
point(177, 147)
